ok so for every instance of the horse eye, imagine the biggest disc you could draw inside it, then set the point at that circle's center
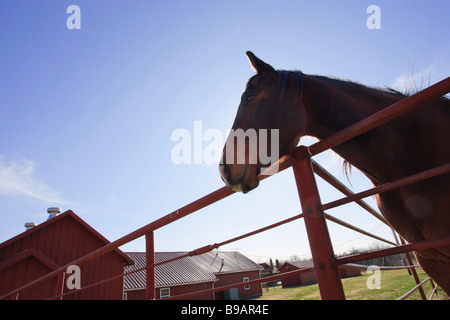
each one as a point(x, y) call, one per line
point(250, 98)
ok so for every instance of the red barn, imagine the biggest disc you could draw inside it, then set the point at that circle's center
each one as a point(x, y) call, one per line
point(309, 277)
point(171, 279)
point(191, 274)
point(230, 268)
point(54, 243)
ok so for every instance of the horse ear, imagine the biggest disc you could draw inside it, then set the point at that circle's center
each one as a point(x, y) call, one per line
point(259, 65)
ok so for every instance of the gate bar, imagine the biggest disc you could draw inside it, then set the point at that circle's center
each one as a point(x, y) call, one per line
point(150, 292)
point(419, 245)
point(414, 272)
point(328, 177)
point(391, 185)
point(352, 227)
point(325, 263)
point(418, 286)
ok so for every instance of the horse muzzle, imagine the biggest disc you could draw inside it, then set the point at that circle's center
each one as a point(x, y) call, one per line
point(240, 177)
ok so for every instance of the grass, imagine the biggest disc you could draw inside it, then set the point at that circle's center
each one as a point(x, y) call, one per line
point(393, 284)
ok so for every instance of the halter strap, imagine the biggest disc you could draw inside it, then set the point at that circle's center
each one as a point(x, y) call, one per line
point(283, 76)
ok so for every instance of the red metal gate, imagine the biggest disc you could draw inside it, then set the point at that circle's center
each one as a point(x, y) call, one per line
point(325, 263)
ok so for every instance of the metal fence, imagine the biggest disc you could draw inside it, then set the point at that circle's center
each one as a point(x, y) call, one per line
point(326, 264)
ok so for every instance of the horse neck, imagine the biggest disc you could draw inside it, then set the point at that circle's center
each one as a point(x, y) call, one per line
point(333, 105)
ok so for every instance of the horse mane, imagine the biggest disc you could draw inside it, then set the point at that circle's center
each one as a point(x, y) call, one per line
point(406, 92)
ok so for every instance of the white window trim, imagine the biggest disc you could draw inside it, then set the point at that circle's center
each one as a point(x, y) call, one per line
point(246, 279)
point(161, 296)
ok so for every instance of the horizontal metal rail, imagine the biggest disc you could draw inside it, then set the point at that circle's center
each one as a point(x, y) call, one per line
point(351, 227)
point(240, 284)
point(364, 267)
point(328, 177)
point(390, 186)
point(419, 285)
point(420, 245)
point(433, 292)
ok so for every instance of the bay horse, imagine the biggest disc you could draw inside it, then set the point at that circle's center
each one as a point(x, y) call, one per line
point(297, 105)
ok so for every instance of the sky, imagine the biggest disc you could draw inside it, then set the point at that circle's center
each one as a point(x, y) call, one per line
point(87, 115)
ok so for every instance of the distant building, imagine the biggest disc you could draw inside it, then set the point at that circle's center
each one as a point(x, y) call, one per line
point(308, 277)
point(269, 270)
point(191, 274)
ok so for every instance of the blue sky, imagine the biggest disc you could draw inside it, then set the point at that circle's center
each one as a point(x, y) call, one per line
point(86, 116)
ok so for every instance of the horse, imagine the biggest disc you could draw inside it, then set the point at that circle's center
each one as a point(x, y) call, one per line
point(298, 105)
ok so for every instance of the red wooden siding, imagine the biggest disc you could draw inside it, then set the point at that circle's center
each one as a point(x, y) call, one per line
point(309, 277)
point(237, 277)
point(175, 291)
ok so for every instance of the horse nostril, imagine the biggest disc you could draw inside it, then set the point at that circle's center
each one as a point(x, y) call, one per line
point(224, 171)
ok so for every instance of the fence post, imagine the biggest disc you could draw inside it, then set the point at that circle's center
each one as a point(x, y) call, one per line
point(60, 285)
point(325, 262)
point(150, 292)
point(414, 272)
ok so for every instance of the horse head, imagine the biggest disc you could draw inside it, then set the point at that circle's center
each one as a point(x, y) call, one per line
point(271, 117)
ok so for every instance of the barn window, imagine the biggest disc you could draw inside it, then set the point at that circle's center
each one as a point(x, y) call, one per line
point(164, 293)
point(246, 279)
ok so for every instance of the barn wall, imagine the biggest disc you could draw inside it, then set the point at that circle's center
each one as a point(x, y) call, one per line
point(176, 290)
point(291, 281)
point(23, 272)
point(297, 280)
point(237, 277)
point(310, 277)
point(348, 272)
point(102, 268)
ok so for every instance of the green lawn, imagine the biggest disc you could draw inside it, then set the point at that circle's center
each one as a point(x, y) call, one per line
point(393, 284)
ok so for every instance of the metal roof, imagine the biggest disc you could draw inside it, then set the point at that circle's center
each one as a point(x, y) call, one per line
point(222, 262)
point(178, 272)
point(187, 270)
point(300, 264)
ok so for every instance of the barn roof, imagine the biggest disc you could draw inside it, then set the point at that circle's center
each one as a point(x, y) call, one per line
point(222, 262)
point(301, 264)
point(187, 270)
point(178, 272)
point(69, 214)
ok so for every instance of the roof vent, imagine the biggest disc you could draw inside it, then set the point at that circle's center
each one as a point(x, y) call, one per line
point(30, 225)
point(53, 212)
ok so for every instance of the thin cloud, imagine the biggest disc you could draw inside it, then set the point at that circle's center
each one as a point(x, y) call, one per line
point(418, 78)
point(17, 178)
point(413, 81)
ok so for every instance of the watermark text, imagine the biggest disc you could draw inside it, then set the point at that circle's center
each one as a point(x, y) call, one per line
point(199, 146)
point(74, 20)
point(373, 22)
